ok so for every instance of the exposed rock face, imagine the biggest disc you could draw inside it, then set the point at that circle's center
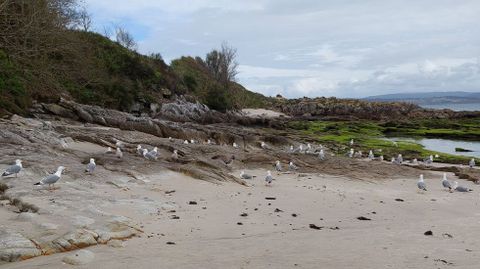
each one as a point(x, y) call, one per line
point(16, 247)
point(181, 110)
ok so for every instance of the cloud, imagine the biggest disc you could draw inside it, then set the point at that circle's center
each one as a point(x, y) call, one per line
point(308, 47)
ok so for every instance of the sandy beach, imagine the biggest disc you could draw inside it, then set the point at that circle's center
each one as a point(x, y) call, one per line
point(276, 233)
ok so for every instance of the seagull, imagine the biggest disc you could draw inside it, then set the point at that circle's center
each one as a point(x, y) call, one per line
point(460, 188)
point(278, 166)
point(185, 142)
point(50, 180)
point(351, 142)
point(268, 178)
point(445, 182)
point(370, 155)
point(109, 150)
point(235, 145)
point(152, 155)
point(428, 160)
point(14, 169)
point(421, 184)
point(351, 153)
point(175, 155)
point(170, 139)
point(209, 142)
point(472, 163)
point(291, 149)
point(119, 153)
point(300, 148)
point(292, 166)
point(91, 166)
point(192, 141)
point(393, 160)
point(119, 144)
point(415, 161)
point(321, 155)
point(263, 145)
point(139, 150)
point(358, 154)
point(245, 176)
point(399, 159)
point(381, 158)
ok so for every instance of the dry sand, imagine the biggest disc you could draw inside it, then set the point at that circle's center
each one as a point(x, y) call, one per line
point(209, 234)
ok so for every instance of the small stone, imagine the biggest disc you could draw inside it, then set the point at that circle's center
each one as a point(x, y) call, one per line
point(192, 203)
point(428, 233)
point(243, 215)
point(399, 200)
point(277, 210)
point(80, 257)
point(363, 218)
point(315, 227)
point(270, 198)
point(294, 215)
point(239, 223)
point(170, 243)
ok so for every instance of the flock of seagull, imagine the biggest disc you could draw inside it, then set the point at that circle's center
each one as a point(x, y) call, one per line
point(153, 155)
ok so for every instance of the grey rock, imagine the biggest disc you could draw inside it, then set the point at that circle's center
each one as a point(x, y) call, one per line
point(79, 257)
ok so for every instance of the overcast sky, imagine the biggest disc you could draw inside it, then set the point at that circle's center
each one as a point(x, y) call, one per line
point(316, 48)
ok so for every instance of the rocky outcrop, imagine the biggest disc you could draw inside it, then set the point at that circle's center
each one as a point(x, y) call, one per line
point(15, 247)
point(353, 108)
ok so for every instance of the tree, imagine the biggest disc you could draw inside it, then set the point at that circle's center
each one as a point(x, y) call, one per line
point(84, 20)
point(124, 38)
point(223, 64)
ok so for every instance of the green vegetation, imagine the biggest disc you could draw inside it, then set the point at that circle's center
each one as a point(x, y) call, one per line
point(369, 135)
point(12, 89)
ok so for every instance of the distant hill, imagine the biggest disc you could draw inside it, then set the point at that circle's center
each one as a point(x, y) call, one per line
point(430, 98)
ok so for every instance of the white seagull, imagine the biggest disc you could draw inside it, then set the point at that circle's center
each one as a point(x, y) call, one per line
point(292, 167)
point(152, 155)
point(460, 188)
point(370, 155)
point(13, 169)
point(91, 166)
point(421, 184)
point(321, 155)
point(268, 178)
point(235, 145)
point(119, 153)
point(139, 150)
point(175, 155)
point(50, 180)
point(351, 153)
point(278, 166)
point(245, 176)
point(445, 182)
point(472, 163)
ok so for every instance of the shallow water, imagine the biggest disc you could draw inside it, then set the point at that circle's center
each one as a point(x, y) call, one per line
point(455, 107)
point(445, 145)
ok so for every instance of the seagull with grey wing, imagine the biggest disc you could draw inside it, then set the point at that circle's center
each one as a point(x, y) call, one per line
point(321, 155)
point(151, 155)
point(421, 184)
point(119, 153)
point(268, 178)
point(235, 146)
point(245, 176)
point(50, 180)
point(370, 155)
point(445, 182)
point(91, 166)
point(139, 150)
point(292, 166)
point(351, 153)
point(460, 188)
point(175, 155)
point(472, 163)
point(13, 169)
point(278, 166)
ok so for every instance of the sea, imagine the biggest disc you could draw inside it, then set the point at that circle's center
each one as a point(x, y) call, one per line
point(455, 107)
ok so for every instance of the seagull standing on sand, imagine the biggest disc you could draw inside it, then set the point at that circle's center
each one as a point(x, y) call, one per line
point(245, 176)
point(50, 180)
point(91, 166)
point(119, 153)
point(352, 152)
point(14, 169)
point(278, 166)
point(472, 163)
point(445, 182)
point(370, 155)
point(292, 167)
point(460, 188)
point(421, 184)
point(268, 178)
point(139, 150)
